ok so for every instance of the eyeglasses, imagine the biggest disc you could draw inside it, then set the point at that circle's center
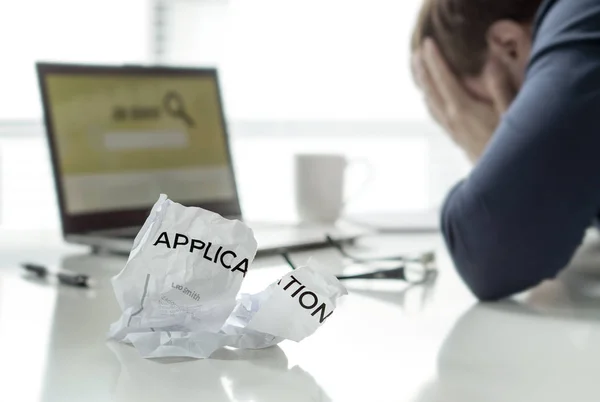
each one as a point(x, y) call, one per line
point(414, 270)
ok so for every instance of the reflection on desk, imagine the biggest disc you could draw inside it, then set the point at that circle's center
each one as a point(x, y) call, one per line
point(512, 352)
point(229, 375)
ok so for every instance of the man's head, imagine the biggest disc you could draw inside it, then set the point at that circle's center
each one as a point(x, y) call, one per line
point(469, 32)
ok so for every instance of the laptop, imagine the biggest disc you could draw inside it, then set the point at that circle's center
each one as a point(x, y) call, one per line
point(119, 136)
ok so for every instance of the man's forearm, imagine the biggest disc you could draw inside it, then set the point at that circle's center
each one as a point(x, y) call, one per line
point(491, 268)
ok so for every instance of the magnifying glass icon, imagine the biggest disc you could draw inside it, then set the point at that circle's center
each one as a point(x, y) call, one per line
point(174, 105)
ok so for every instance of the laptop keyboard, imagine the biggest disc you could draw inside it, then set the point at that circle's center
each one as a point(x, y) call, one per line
point(124, 235)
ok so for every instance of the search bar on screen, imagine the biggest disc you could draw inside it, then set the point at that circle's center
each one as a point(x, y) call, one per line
point(134, 140)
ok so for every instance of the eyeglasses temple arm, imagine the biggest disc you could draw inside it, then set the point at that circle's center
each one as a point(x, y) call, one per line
point(396, 273)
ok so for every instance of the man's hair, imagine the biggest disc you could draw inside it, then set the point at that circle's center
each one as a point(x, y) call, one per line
point(460, 28)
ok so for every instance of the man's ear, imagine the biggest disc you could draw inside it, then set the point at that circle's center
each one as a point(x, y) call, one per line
point(510, 42)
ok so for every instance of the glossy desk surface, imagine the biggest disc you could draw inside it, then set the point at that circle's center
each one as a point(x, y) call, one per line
point(385, 342)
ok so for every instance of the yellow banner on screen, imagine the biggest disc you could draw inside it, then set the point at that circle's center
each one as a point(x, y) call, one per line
point(109, 124)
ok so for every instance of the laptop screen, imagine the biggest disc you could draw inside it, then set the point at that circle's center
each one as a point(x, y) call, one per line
point(122, 136)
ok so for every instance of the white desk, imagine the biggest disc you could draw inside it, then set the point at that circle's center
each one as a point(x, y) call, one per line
point(383, 343)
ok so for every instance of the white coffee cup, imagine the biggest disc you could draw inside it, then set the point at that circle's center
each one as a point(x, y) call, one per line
point(320, 186)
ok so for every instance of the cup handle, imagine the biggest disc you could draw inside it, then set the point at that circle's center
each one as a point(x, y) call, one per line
point(369, 173)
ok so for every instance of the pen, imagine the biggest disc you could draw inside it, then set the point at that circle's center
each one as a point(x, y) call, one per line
point(66, 278)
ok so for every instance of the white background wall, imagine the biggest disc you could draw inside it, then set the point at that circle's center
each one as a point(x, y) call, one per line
point(302, 59)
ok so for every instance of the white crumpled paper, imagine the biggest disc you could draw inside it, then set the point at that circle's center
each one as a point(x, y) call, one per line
point(178, 289)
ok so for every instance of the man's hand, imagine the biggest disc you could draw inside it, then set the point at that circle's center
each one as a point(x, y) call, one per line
point(470, 122)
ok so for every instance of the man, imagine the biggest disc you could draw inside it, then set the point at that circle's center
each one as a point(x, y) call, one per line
point(516, 84)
